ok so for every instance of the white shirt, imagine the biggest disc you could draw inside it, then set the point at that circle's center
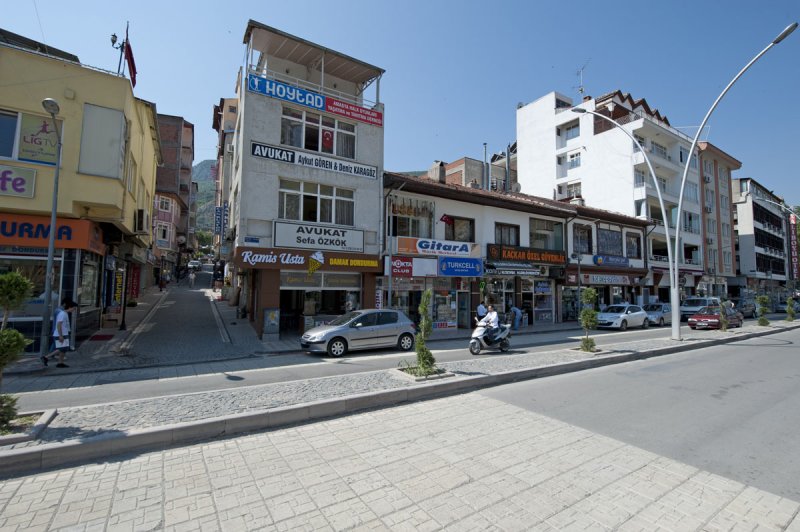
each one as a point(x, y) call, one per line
point(63, 318)
point(491, 320)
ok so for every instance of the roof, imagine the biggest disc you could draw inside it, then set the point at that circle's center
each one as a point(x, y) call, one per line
point(626, 97)
point(277, 43)
point(703, 146)
point(19, 41)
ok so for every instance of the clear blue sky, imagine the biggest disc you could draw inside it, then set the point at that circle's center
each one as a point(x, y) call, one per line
point(456, 69)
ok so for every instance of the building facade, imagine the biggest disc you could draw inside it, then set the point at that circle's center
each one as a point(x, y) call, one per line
point(303, 216)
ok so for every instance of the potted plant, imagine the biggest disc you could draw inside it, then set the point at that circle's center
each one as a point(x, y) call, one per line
point(588, 318)
point(15, 290)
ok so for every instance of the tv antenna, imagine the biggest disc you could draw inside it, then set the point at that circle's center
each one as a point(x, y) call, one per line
point(579, 73)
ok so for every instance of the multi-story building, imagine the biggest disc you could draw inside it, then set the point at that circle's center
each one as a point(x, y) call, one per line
point(174, 189)
point(716, 194)
point(224, 123)
point(585, 159)
point(763, 241)
point(106, 181)
point(305, 194)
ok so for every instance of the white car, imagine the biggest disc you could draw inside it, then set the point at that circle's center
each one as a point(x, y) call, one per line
point(194, 265)
point(623, 316)
point(659, 313)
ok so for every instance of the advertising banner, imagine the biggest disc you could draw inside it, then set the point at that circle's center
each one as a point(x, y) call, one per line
point(460, 267)
point(308, 260)
point(217, 220)
point(610, 260)
point(429, 246)
point(499, 252)
point(291, 235)
point(793, 257)
point(312, 160)
point(34, 231)
point(38, 140)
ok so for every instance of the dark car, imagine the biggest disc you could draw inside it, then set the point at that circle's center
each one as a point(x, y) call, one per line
point(709, 318)
point(746, 306)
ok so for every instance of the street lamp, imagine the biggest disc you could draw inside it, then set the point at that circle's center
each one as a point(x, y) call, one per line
point(674, 288)
point(673, 269)
point(52, 108)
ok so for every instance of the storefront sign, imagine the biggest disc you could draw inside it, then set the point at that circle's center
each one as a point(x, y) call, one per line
point(298, 259)
point(38, 139)
point(460, 267)
point(519, 254)
point(217, 220)
point(16, 181)
point(312, 160)
point(34, 231)
point(312, 100)
point(444, 325)
point(134, 284)
point(378, 298)
point(793, 257)
point(402, 266)
point(542, 287)
point(610, 260)
point(118, 290)
point(304, 236)
point(441, 248)
point(614, 280)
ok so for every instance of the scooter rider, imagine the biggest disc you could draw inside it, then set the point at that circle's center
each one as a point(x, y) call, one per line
point(492, 321)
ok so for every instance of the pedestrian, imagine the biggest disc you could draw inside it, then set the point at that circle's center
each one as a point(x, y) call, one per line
point(191, 279)
point(517, 316)
point(61, 330)
point(481, 311)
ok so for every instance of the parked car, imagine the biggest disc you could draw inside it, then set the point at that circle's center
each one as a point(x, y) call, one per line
point(746, 306)
point(623, 316)
point(361, 329)
point(692, 305)
point(709, 318)
point(194, 264)
point(659, 313)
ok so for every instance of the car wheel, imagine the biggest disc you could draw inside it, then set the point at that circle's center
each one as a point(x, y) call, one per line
point(337, 347)
point(661, 322)
point(406, 342)
point(623, 326)
point(646, 323)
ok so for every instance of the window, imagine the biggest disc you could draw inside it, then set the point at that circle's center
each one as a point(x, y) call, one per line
point(692, 192)
point(711, 226)
point(582, 239)
point(411, 218)
point(506, 234)
point(658, 149)
point(683, 154)
point(726, 229)
point(609, 241)
point(573, 131)
point(313, 132)
point(639, 178)
point(641, 142)
point(724, 202)
point(662, 185)
point(723, 173)
point(162, 232)
point(708, 168)
point(574, 160)
point(710, 201)
point(8, 132)
point(691, 222)
point(633, 246)
point(574, 190)
point(726, 258)
point(310, 202)
point(546, 234)
point(28, 137)
point(460, 230)
point(164, 204)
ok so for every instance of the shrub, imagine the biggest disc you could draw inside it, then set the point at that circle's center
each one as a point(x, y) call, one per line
point(426, 364)
point(588, 317)
point(15, 290)
point(790, 309)
point(8, 410)
point(763, 302)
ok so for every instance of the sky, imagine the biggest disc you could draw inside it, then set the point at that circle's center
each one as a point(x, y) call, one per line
point(457, 69)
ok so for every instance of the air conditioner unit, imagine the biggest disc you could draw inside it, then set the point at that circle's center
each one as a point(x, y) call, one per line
point(707, 179)
point(709, 240)
point(230, 233)
point(229, 148)
point(708, 209)
point(140, 222)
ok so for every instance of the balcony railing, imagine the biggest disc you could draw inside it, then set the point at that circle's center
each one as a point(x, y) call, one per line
point(315, 87)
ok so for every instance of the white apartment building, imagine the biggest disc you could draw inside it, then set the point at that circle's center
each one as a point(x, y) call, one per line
point(765, 255)
point(305, 194)
point(583, 158)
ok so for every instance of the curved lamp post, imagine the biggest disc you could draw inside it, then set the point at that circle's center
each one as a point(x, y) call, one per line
point(676, 315)
point(673, 275)
point(52, 108)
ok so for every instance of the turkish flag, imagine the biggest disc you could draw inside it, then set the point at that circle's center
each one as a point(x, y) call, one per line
point(129, 58)
point(327, 140)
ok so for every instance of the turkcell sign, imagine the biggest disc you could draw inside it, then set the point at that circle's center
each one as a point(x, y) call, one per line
point(460, 267)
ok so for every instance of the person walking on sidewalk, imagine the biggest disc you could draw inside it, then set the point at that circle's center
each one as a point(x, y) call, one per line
point(191, 278)
point(61, 330)
point(481, 311)
point(517, 316)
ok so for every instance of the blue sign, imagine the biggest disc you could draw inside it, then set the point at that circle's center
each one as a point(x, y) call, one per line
point(287, 93)
point(225, 211)
point(610, 260)
point(218, 220)
point(460, 267)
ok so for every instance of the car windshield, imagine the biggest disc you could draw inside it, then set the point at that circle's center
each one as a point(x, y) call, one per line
point(615, 309)
point(344, 318)
point(695, 303)
point(652, 308)
point(710, 311)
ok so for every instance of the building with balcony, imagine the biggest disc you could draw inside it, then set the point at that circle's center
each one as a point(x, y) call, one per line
point(106, 187)
point(764, 237)
point(174, 189)
point(716, 192)
point(584, 159)
point(224, 123)
point(304, 200)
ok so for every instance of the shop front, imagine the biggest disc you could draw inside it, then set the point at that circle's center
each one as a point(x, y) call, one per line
point(292, 290)
point(525, 277)
point(77, 269)
point(613, 286)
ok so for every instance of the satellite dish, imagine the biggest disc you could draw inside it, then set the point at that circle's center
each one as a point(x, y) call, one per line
point(181, 240)
point(517, 187)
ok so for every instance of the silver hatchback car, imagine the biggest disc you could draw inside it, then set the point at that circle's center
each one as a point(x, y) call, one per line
point(361, 329)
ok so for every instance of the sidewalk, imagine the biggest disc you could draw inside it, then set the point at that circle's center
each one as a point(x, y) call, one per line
point(93, 432)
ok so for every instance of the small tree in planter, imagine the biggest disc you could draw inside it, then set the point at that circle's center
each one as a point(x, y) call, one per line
point(426, 364)
point(762, 301)
point(790, 309)
point(723, 315)
point(588, 317)
point(15, 290)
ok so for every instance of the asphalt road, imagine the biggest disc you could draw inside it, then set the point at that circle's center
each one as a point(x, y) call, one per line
point(733, 410)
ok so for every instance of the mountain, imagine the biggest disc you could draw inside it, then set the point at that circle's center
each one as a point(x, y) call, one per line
point(206, 186)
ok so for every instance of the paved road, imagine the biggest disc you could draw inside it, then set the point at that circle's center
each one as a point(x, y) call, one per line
point(732, 410)
point(470, 462)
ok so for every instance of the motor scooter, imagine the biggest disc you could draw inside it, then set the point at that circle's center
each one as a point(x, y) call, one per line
point(479, 339)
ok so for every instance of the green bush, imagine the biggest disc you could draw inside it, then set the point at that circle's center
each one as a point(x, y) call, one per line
point(790, 309)
point(763, 303)
point(8, 410)
point(15, 290)
point(723, 315)
point(426, 364)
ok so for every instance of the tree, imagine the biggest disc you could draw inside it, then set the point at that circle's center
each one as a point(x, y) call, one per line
point(790, 309)
point(15, 290)
point(588, 317)
point(763, 302)
point(426, 364)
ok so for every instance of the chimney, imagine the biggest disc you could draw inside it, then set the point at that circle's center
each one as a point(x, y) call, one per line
point(437, 172)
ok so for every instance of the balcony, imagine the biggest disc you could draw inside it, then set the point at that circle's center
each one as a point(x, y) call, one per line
point(308, 85)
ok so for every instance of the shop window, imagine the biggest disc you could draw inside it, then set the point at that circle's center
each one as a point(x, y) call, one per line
point(16, 126)
point(506, 234)
point(546, 234)
point(313, 132)
point(582, 239)
point(310, 202)
point(633, 246)
point(460, 230)
point(411, 218)
point(609, 241)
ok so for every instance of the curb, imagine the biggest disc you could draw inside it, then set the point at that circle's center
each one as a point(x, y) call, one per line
point(104, 446)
